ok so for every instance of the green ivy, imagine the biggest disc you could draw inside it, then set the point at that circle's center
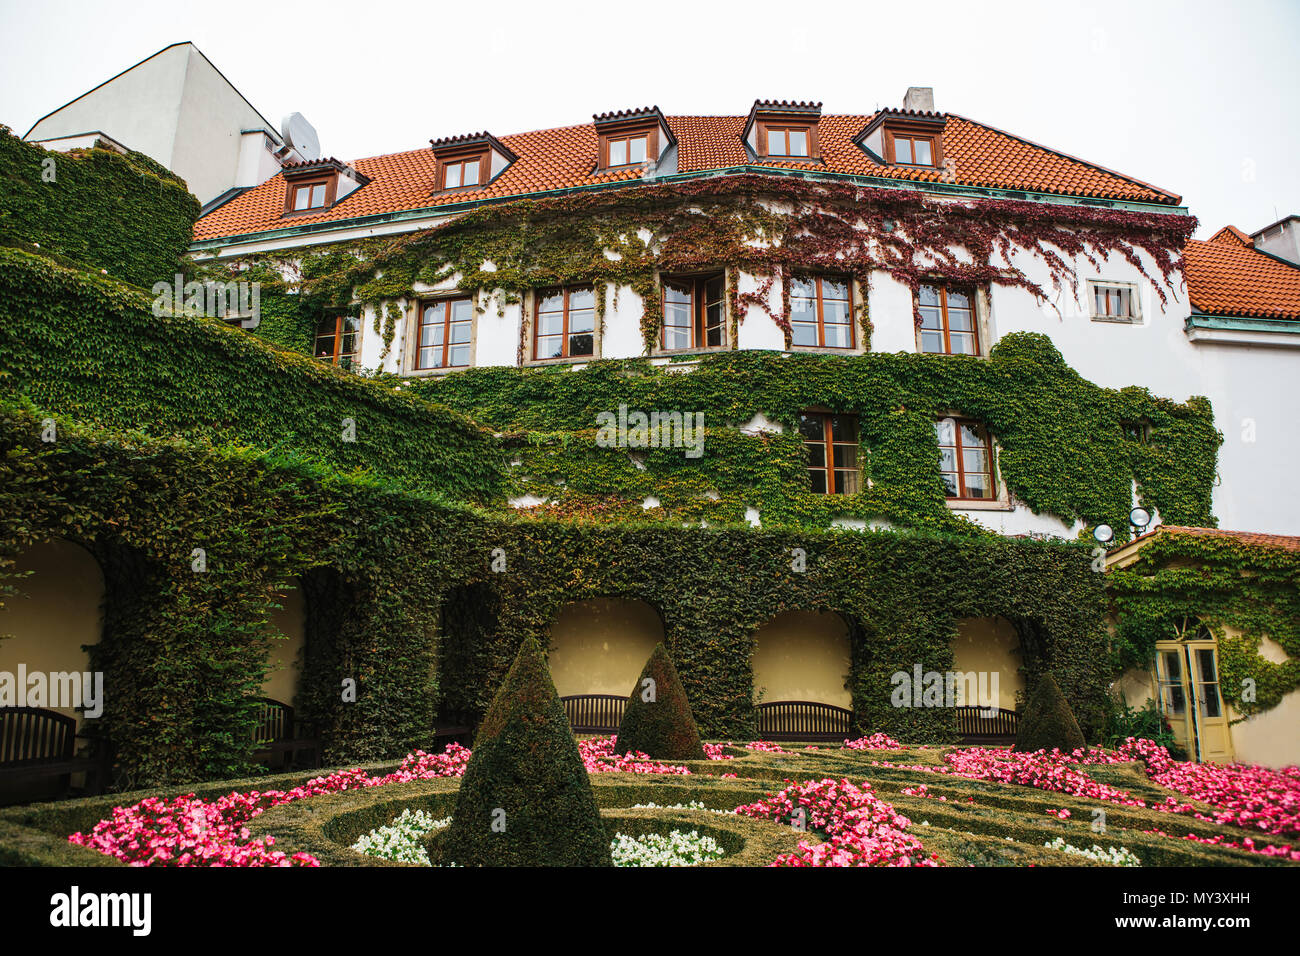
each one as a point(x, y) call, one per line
point(124, 214)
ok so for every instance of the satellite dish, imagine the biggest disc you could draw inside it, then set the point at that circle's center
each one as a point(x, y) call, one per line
point(301, 135)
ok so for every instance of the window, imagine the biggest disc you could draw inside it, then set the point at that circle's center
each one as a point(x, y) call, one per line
point(965, 458)
point(337, 340)
point(694, 311)
point(787, 140)
point(462, 172)
point(911, 149)
point(947, 321)
point(627, 150)
point(1113, 302)
point(1137, 431)
point(309, 196)
point(445, 328)
point(832, 443)
point(821, 314)
point(565, 324)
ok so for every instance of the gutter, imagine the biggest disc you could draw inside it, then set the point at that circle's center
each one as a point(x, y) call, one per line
point(451, 209)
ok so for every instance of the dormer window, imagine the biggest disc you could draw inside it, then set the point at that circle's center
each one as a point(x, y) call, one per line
point(469, 162)
point(310, 196)
point(631, 138)
point(910, 149)
point(783, 130)
point(315, 185)
point(463, 172)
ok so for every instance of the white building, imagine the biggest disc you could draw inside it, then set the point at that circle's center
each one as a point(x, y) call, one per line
point(177, 108)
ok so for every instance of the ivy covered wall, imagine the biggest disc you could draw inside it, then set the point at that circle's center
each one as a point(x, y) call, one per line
point(124, 214)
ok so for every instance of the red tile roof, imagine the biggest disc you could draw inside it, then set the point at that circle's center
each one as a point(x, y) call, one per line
point(1257, 539)
point(1226, 275)
point(566, 157)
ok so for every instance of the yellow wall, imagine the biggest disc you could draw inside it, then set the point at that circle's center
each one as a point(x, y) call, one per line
point(601, 646)
point(282, 677)
point(800, 655)
point(57, 611)
point(990, 645)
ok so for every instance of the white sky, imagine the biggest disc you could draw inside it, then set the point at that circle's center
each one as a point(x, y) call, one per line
point(1198, 97)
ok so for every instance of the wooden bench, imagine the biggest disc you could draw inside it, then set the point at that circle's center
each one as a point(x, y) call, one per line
point(802, 720)
point(594, 713)
point(281, 738)
point(980, 725)
point(36, 744)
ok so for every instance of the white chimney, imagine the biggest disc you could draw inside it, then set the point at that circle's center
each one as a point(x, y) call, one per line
point(919, 98)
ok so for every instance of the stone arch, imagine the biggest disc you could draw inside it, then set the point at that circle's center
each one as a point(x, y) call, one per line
point(803, 655)
point(987, 646)
point(56, 614)
point(600, 645)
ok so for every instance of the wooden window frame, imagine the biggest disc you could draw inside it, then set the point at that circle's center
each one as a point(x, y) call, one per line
point(1093, 286)
point(973, 294)
point(765, 129)
point(541, 294)
point(699, 303)
point(484, 160)
point(935, 137)
point(828, 444)
point(609, 137)
point(291, 191)
point(821, 312)
point(339, 319)
point(994, 485)
point(446, 302)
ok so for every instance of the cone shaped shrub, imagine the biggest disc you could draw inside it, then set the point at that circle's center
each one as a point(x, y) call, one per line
point(1048, 721)
point(658, 719)
point(525, 799)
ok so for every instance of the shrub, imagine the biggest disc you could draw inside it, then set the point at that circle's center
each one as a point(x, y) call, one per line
point(1048, 721)
point(662, 726)
point(1125, 721)
point(525, 799)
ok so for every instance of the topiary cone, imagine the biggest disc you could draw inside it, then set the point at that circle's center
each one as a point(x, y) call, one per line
point(1048, 721)
point(658, 719)
point(525, 799)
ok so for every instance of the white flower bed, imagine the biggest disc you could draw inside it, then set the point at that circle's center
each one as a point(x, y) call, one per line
point(678, 848)
point(693, 805)
point(401, 840)
point(1112, 856)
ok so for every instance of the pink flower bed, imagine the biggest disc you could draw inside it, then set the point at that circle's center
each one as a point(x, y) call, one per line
point(861, 829)
point(874, 742)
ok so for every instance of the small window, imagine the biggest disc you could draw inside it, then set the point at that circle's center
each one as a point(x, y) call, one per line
point(462, 172)
point(627, 150)
point(965, 459)
point(947, 321)
point(832, 444)
point(821, 313)
point(911, 149)
point(1138, 431)
point(1113, 302)
point(694, 312)
point(565, 324)
point(790, 141)
point(445, 334)
point(309, 196)
point(337, 339)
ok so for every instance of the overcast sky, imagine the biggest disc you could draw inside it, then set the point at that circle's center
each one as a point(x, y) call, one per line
point(1199, 98)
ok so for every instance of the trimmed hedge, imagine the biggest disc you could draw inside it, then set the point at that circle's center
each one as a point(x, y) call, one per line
point(661, 727)
point(126, 214)
point(525, 799)
point(1048, 722)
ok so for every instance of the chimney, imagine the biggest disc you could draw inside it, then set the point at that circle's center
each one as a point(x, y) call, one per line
point(919, 98)
point(1282, 239)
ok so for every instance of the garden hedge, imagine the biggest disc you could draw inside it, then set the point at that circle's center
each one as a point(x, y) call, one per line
point(658, 721)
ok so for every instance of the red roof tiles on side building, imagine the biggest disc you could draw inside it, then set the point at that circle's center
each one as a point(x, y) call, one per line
point(1226, 275)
